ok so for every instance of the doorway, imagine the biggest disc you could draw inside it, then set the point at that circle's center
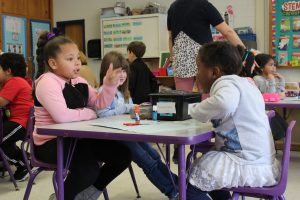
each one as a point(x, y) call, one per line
point(74, 29)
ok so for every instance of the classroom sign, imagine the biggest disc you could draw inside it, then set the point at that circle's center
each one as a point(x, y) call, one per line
point(285, 35)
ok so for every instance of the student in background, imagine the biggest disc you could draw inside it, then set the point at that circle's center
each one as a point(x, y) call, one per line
point(62, 96)
point(86, 72)
point(269, 80)
point(237, 110)
point(141, 81)
point(16, 99)
point(143, 154)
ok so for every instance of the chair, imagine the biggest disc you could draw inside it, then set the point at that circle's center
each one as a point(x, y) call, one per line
point(204, 147)
point(42, 166)
point(6, 164)
point(273, 192)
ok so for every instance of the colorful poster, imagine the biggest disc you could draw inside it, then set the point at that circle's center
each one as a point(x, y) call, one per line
point(285, 31)
point(36, 28)
point(14, 34)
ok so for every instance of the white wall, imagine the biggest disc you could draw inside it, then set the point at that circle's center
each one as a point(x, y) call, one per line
point(89, 10)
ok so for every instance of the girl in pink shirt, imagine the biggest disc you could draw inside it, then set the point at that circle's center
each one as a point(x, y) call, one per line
point(62, 96)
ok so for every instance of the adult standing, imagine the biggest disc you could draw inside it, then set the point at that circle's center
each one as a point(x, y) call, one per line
point(189, 28)
point(189, 24)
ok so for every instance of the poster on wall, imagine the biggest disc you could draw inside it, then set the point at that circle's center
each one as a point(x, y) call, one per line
point(14, 34)
point(285, 32)
point(37, 27)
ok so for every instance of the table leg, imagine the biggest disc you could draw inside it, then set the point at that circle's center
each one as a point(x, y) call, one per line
point(182, 172)
point(168, 154)
point(60, 161)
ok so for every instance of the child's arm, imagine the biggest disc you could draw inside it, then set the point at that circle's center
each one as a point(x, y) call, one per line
point(52, 99)
point(223, 101)
point(110, 86)
point(3, 102)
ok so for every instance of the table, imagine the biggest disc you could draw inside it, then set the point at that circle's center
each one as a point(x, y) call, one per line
point(191, 132)
point(288, 102)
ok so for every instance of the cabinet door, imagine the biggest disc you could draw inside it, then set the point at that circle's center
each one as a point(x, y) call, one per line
point(39, 9)
point(17, 7)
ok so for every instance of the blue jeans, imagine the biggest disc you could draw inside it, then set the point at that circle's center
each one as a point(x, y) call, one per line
point(193, 193)
point(156, 171)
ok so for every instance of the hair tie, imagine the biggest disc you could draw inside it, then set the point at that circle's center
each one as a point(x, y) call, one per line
point(55, 32)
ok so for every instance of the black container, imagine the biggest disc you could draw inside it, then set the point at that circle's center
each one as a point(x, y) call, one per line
point(167, 100)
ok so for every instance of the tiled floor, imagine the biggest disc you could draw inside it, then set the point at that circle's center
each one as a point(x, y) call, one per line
point(122, 187)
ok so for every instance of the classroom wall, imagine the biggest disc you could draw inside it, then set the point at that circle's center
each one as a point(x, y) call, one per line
point(89, 10)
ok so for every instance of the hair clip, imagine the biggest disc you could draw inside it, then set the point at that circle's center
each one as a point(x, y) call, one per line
point(55, 32)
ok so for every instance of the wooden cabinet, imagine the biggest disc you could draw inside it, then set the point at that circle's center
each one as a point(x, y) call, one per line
point(39, 9)
point(13, 7)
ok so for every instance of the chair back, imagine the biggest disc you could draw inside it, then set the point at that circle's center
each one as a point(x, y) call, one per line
point(281, 186)
point(30, 123)
point(35, 162)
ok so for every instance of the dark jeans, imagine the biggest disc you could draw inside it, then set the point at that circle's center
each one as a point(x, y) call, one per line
point(84, 168)
point(147, 158)
point(12, 133)
point(194, 193)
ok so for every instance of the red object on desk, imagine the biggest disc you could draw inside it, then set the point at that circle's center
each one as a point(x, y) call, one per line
point(162, 72)
point(130, 124)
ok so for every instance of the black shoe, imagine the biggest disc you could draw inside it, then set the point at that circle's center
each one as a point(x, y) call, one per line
point(21, 174)
point(175, 155)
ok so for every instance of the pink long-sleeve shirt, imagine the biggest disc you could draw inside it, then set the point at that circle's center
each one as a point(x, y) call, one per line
point(49, 93)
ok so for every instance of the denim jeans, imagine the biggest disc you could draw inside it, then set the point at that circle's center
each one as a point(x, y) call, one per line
point(156, 171)
point(193, 193)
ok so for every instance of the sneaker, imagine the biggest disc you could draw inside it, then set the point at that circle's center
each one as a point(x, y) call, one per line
point(52, 197)
point(21, 174)
point(176, 197)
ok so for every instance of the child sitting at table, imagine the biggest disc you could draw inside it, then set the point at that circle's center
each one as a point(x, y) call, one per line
point(62, 96)
point(244, 149)
point(16, 99)
point(269, 80)
point(143, 154)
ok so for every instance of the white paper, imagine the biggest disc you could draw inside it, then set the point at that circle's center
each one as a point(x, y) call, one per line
point(166, 107)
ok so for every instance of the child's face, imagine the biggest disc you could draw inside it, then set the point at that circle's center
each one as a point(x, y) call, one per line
point(123, 77)
point(4, 75)
point(206, 76)
point(131, 56)
point(67, 62)
point(270, 67)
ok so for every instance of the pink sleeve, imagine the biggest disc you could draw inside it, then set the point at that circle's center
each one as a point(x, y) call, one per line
point(49, 94)
point(103, 99)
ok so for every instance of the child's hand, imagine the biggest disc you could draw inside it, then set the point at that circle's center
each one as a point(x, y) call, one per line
point(113, 75)
point(277, 75)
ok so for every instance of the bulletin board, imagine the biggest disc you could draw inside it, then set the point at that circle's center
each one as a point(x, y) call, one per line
point(285, 32)
point(14, 34)
point(117, 33)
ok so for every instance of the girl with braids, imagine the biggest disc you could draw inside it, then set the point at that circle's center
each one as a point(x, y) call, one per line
point(143, 154)
point(62, 96)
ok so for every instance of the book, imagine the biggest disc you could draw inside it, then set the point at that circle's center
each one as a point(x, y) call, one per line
point(296, 41)
point(295, 59)
point(283, 58)
point(283, 42)
point(285, 25)
point(296, 23)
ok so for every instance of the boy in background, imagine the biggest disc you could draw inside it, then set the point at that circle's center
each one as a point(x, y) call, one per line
point(141, 80)
point(16, 99)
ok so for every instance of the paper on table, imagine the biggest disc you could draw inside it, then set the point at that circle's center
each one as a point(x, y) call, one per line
point(149, 126)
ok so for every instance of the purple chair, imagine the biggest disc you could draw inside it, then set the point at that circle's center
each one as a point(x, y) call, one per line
point(42, 166)
point(6, 164)
point(273, 192)
point(204, 147)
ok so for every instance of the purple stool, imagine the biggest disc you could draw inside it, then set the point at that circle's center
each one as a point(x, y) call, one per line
point(273, 192)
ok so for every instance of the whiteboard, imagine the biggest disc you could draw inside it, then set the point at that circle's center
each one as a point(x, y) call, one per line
point(118, 33)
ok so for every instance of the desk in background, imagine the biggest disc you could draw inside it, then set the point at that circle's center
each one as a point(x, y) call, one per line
point(191, 132)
